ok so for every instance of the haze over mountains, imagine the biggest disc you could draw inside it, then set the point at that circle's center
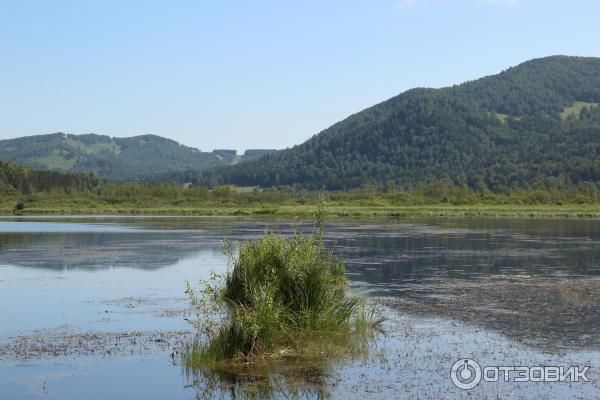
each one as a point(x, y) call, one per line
point(536, 125)
point(146, 157)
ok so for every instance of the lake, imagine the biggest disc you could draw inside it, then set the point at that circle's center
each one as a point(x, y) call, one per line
point(94, 306)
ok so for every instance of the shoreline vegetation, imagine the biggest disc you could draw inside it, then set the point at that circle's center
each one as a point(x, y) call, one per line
point(336, 212)
point(26, 191)
point(336, 209)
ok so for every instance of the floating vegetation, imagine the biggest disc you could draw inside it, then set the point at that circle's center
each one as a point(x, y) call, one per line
point(540, 312)
point(61, 343)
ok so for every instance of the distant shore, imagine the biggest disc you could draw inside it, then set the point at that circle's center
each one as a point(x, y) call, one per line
point(334, 211)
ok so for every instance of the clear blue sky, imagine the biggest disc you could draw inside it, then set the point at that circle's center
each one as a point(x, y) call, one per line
point(256, 74)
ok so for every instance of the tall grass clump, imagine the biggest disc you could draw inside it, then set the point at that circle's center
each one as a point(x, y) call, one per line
point(280, 297)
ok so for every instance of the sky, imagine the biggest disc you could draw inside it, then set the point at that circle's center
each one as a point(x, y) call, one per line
point(256, 74)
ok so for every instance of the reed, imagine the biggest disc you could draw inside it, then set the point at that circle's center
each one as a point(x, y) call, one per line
point(280, 297)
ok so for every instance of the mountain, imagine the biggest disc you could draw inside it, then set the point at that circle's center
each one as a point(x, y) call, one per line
point(536, 125)
point(117, 159)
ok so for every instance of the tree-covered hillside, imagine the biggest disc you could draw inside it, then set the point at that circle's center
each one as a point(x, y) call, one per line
point(119, 159)
point(24, 180)
point(536, 125)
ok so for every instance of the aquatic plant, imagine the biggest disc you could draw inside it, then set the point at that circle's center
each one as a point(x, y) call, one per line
point(280, 297)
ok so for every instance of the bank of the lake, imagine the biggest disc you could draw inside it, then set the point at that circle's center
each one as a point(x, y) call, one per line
point(336, 210)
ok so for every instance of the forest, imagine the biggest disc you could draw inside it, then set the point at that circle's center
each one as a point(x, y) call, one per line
point(27, 190)
point(529, 135)
point(138, 158)
point(533, 126)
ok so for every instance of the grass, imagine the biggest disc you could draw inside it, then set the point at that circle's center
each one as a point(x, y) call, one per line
point(502, 117)
point(281, 298)
point(505, 117)
point(93, 148)
point(575, 109)
point(537, 204)
point(338, 210)
point(56, 160)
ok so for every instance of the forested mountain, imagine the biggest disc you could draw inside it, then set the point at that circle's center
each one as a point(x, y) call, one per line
point(536, 125)
point(118, 159)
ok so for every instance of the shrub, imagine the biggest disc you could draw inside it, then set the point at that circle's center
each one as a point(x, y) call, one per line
point(278, 296)
point(19, 207)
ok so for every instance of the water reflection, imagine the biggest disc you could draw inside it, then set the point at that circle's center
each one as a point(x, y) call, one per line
point(396, 259)
point(91, 244)
point(273, 380)
point(489, 286)
point(388, 256)
point(99, 250)
point(419, 261)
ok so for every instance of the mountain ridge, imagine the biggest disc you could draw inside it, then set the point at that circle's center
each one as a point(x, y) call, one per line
point(136, 158)
point(508, 130)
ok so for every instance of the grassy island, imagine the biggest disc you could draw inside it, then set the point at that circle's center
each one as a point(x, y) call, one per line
point(282, 297)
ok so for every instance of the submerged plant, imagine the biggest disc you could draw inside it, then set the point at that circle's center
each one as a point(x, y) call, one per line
point(281, 296)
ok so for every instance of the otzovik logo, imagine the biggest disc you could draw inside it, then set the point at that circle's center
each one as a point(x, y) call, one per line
point(467, 374)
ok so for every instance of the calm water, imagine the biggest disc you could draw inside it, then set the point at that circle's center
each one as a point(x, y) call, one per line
point(65, 277)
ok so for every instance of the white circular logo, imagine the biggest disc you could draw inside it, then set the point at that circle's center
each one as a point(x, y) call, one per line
point(465, 374)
